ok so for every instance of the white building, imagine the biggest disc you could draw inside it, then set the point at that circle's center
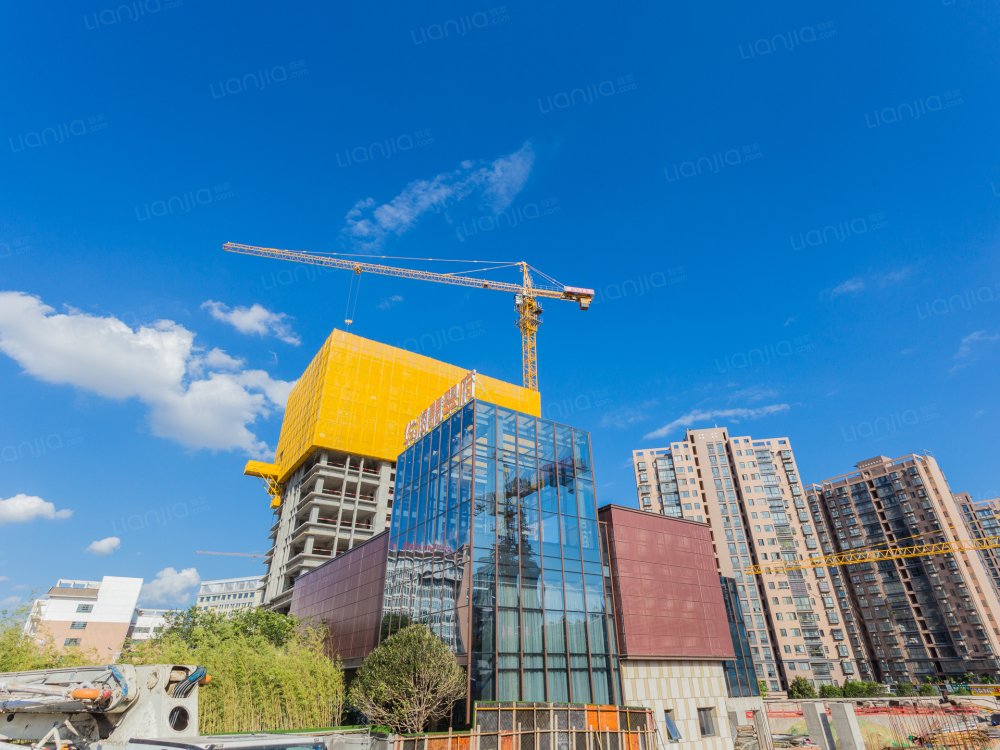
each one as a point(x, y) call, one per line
point(230, 594)
point(147, 623)
point(85, 614)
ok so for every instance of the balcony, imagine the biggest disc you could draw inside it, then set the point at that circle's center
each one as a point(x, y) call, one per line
point(328, 527)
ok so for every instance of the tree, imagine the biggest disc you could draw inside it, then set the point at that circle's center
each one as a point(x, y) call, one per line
point(927, 689)
point(412, 678)
point(393, 623)
point(855, 689)
point(986, 679)
point(962, 691)
point(194, 626)
point(800, 688)
point(830, 691)
point(905, 690)
point(762, 685)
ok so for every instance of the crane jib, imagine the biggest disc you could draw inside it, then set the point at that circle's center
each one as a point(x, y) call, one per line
point(567, 292)
point(525, 295)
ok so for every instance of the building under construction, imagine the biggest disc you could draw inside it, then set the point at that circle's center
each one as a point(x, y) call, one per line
point(332, 481)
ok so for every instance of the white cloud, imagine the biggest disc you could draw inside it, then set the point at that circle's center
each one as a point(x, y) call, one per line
point(369, 225)
point(965, 348)
point(856, 284)
point(387, 303)
point(698, 415)
point(22, 508)
point(170, 587)
point(788, 322)
point(754, 393)
point(894, 277)
point(254, 320)
point(629, 415)
point(105, 546)
point(10, 601)
point(4, 578)
point(157, 364)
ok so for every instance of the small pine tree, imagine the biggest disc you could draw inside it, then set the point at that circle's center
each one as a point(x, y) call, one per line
point(905, 690)
point(411, 679)
point(800, 688)
point(927, 689)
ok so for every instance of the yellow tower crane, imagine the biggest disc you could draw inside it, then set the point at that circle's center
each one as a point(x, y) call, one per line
point(874, 555)
point(526, 295)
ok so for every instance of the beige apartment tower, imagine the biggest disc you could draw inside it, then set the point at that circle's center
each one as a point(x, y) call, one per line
point(982, 520)
point(749, 491)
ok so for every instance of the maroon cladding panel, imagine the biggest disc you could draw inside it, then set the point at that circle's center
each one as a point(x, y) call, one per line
point(346, 593)
point(668, 598)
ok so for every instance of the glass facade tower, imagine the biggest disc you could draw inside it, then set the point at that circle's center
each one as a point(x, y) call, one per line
point(496, 546)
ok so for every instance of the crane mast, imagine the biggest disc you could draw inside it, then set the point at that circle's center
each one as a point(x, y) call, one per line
point(529, 311)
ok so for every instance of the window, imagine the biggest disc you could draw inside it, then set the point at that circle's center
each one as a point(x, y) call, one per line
point(78, 626)
point(673, 733)
point(705, 722)
point(71, 642)
point(84, 607)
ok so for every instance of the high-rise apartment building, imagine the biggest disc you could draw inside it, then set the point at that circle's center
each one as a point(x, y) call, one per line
point(230, 594)
point(332, 481)
point(918, 616)
point(749, 491)
point(982, 520)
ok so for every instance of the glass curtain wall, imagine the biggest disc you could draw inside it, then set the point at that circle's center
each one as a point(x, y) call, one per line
point(741, 680)
point(495, 545)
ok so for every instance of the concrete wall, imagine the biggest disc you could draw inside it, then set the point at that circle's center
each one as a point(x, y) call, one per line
point(683, 687)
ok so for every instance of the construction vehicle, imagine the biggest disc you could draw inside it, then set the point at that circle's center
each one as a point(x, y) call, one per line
point(526, 295)
point(131, 708)
point(90, 707)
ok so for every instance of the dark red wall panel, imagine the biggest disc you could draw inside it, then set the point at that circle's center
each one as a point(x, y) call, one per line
point(668, 598)
point(346, 594)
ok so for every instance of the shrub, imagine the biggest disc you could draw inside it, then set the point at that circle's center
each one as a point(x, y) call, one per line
point(859, 689)
point(830, 691)
point(762, 686)
point(905, 689)
point(927, 689)
point(269, 671)
point(19, 652)
point(800, 688)
point(962, 691)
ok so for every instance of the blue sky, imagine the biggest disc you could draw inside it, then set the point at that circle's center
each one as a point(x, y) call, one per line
point(789, 213)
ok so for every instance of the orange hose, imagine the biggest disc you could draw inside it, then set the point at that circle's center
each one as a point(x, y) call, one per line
point(205, 680)
point(86, 694)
